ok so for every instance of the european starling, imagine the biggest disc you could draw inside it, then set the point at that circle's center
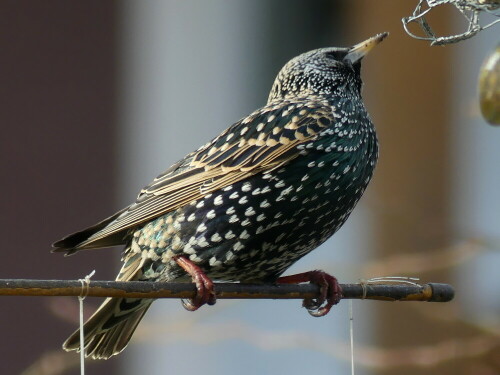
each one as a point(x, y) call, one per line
point(248, 204)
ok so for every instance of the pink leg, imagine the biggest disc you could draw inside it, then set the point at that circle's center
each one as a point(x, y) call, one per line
point(330, 290)
point(204, 285)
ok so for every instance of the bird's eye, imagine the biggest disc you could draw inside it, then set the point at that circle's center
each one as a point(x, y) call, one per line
point(335, 55)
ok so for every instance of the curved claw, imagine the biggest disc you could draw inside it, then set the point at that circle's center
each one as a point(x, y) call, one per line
point(189, 304)
point(330, 291)
point(204, 286)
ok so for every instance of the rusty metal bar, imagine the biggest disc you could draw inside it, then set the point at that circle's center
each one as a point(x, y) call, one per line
point(432, 292)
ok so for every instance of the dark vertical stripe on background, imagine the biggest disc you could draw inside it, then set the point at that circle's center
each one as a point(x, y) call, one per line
point(57, 121)
point(408, 96)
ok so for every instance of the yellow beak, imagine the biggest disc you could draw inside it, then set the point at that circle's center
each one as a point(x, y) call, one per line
point(357, 52)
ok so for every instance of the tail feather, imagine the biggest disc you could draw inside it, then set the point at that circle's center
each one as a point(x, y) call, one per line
point(109, 330)
point(79, 240)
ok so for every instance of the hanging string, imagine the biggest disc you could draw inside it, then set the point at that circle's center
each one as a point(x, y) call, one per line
point(364, 284)
point(85, 290)
point(351, 333)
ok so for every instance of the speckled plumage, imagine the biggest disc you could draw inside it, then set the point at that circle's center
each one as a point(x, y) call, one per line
point(248, 204)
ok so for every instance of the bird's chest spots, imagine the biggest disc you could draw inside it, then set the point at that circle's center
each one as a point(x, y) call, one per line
point(257, 228)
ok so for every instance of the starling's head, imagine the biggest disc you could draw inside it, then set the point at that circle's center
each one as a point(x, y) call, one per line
point(324, 71)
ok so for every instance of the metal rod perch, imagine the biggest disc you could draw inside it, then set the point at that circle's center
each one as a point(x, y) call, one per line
point(431, 292)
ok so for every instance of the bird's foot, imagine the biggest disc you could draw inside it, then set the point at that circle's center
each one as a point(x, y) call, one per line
point(330, 290)
point(204, 285)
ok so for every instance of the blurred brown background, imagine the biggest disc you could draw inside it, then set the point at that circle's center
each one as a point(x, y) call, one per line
point(99, 97)
point(58, 119)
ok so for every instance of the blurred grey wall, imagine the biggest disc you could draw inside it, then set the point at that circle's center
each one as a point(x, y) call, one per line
point(189, 70)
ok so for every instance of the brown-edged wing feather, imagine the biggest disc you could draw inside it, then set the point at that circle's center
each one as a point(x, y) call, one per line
point(74, 242)
point(265, 140)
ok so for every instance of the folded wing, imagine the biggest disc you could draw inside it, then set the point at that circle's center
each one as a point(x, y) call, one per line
point(261, 142)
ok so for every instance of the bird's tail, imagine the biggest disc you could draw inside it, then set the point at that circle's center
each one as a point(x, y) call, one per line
point(109, 330)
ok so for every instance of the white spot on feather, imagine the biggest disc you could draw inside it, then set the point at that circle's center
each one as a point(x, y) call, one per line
point(202, 242)
point(218, 200)
point(264, 204)
point(194, 258)
point(238, 246)
point(188, 249)
point(249, 211)
point(214, 262)
point(266, 189)
point(280, 184)
point(247, 186)
point(216, 238)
